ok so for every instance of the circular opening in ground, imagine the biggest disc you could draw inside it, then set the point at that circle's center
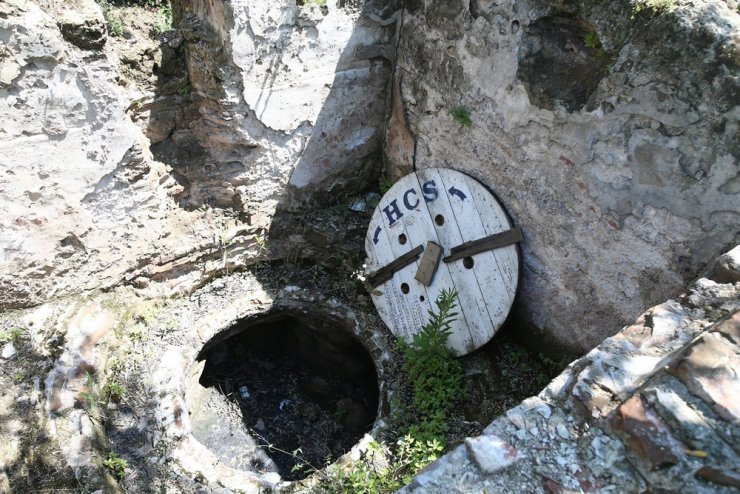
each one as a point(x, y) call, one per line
point(287, 394)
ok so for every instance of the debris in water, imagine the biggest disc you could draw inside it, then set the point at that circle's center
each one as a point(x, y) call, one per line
point(244, 392)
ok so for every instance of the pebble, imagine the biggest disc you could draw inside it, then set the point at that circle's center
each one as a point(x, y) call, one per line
point(360, 206)
point(563, 431)
point(490, 453)
point(8, 350)
point(516, 417)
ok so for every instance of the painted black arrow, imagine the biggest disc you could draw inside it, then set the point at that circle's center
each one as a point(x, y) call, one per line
point(377, 234)
point(457, 192)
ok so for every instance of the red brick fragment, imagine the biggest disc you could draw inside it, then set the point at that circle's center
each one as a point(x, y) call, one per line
point(708, 369)
point(730, 328)
point(646, 433)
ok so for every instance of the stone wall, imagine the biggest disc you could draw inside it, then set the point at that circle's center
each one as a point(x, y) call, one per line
point(610, 135)
point(285, 97)
point(165, 165)
point(651, 409)
point(162, 163)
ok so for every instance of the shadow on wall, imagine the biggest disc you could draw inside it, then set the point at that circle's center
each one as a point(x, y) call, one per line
point(31, 463)
point(264, 107)
point(561, 62)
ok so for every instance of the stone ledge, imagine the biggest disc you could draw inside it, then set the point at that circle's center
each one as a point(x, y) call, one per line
point(648, 409)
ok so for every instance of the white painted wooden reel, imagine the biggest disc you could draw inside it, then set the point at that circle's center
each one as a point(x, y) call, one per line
point(440, 229)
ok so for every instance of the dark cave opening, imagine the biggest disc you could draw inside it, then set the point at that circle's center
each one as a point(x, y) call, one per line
point(287, 393)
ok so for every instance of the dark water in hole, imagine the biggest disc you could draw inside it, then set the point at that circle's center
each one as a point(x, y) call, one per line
point(301, 387)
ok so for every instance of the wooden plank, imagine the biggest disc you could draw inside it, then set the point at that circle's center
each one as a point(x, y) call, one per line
point(429, 263)
point(404, 298)
point(471, 302)
point(386, 272)
point(496, 220)
point(484, 272)
point(459, 341)
point(491, 242)
point(387, 310)
point(492, 275)
point(391, 310)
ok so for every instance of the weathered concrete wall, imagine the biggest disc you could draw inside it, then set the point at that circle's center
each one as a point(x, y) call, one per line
point(285, 97)
point(612, 141)
point(77, 183)
point(248, 107)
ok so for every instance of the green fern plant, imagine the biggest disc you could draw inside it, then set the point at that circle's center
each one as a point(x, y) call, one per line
point(435, 375)
point(436, 381)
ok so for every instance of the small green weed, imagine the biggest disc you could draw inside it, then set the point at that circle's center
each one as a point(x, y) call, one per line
point(13, 335)
point(147, 312)
point(651, 8)
point(461, 115)
point(113, 391)
point(116, 464)
point(116, 365)
point(261, 240)
point(401, 464)
point(591, 40)
point(163, 19)
point(385, 184)
point(225, 239)
point(137, 333)
point(115, 26)
point(90, 396)
point(185, 90)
